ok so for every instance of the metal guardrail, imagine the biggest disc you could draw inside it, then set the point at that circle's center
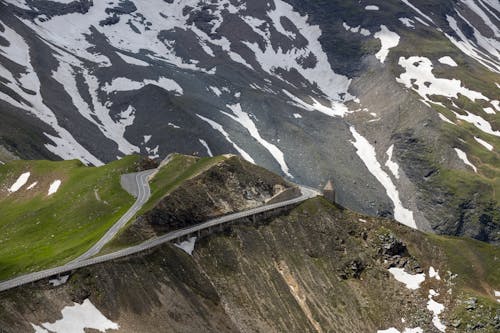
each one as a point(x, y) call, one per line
point(307, 193)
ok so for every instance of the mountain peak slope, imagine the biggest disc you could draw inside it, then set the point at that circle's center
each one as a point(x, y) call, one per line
point(313, 90)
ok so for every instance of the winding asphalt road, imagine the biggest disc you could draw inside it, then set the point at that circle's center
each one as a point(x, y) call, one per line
point(136, 184)
point(143, 193)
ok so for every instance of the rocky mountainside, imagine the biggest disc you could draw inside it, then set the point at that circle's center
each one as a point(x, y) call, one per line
point(397, 101)
point(318, 268)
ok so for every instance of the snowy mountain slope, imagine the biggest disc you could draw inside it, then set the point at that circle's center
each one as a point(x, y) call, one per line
point(313, 89)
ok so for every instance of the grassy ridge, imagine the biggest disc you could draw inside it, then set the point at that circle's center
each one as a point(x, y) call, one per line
point(38, 231)
point(179, 169)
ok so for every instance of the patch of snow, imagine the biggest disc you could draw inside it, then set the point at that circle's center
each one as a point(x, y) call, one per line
point(393, 166)
point(20, 182)
point(496, 104)
point(125, 84)
point(433, 273)
point(215, 90)
point(486, 19)
point(479, 122)
point(372, 7)
point(59, 281)
point(131, 60)
point(443, 118)
point(489, 110)
point(32, 186)
point(408, 3)
point(187, 246)
point(497, 293)
point(411, 281)
point(244, 120)
point(336, 109)
point(365, 32)
point(475, 48)
point(54, 187)
point(436, 309)
point(77, 318)
point(357, 29)
point(447, 60)
point(484, 143)
point(205, 144)
point(218, 127)
point(419, 77)
point(407, 22)
point(388, 40)
point(173, 125)
point(333, 85)
point(463, 156)
point(297, 115)
point(63, 143)
point(153, 152)
point(366, 153)
point(147, 138)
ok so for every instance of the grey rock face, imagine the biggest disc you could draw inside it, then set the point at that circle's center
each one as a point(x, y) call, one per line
point(285, 84)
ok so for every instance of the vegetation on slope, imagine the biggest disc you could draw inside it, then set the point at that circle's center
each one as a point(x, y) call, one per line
point(38, 231)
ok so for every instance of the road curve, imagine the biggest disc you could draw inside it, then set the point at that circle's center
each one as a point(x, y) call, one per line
point(140, 188)
point(307, 193)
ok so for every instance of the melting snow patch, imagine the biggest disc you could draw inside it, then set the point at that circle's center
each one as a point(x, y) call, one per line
point(173, 125)
point(32, 185)
point(205, 144)
point(147, 138)
point(132, 60)
point(407, 22)
point(54, 187)
point(187, 246)
point(59, 281)
point(215, 90)
point(489, 110)
point(443, 118)
point(218, 127)
point(393, 166)
point(436, 309)
point(484, 143)
point(244, 120)
point(20, 182)
point(475, 49)
point(433, 273)
point(366, 153)
point(479, 122)
point(497, 295)
point(77, 318)
point(388, 39)
point(463, 156)
point(418, 76)
point(446, 60)
point(296, 115)
point(371, 7)
point(408, 3)
point(411, 281)
point(125, 84)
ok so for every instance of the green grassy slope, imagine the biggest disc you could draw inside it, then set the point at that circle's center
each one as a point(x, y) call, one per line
point(38, 231)
point(169, 177)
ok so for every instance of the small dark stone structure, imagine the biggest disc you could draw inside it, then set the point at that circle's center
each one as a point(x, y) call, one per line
point(329, 191)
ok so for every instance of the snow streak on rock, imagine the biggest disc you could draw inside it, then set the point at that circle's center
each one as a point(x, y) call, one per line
point(463, 156)
point(244, 119)
point(366, 153)
point(76, 318)
point(419, 77)
point(388, 40)
point(218, 127)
